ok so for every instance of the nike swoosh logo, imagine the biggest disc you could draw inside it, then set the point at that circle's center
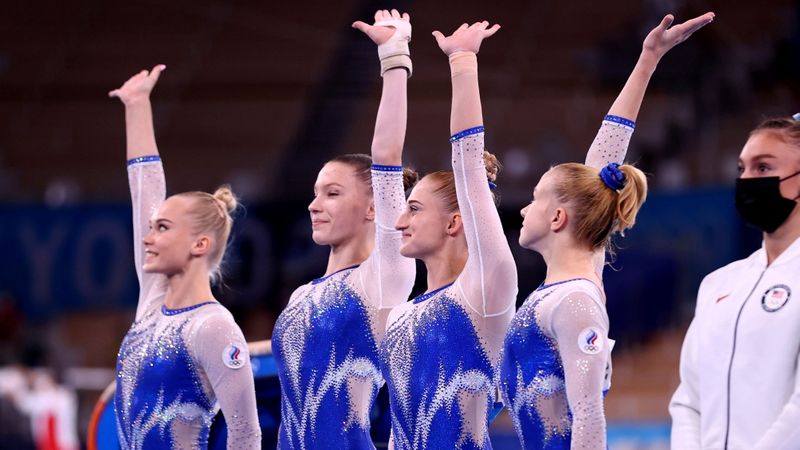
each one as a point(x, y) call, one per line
point(722, 298)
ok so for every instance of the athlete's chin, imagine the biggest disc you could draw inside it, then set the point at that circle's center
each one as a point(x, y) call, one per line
point(527, 242)
point(155, 268)
point(320, 238)
point(408, 250)
point(150, 268)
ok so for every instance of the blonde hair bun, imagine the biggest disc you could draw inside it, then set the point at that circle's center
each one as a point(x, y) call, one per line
point(224, 195)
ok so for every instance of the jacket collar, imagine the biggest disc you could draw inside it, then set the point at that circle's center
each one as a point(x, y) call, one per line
point(759, 258)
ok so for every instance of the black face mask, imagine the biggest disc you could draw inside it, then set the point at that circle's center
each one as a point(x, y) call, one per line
point(760, 203)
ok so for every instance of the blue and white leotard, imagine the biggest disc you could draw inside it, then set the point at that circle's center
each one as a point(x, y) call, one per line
point(326, 340)
point(177, 368)
point(440, 351)
point(556, 363)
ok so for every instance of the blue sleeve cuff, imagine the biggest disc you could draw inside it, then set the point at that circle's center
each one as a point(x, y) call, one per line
point(467, 132)
point(382, 168)
point(620, 120)
point(144, 159)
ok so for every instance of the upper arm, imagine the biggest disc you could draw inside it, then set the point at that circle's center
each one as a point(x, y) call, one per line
point(580, 328)
point(387, 277)
point(148, 190)
point(221, 351)
point(611, 142)
point(489, 278)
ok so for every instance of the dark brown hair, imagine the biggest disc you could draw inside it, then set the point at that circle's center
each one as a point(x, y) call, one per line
point(785, 128)
point(362, 166)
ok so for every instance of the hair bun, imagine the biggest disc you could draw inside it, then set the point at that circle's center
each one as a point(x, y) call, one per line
point(410, 178)
point(224, 195)
point(493, 166)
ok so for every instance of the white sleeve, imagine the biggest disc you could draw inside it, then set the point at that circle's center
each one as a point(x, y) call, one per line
point(581, 332)
point(685, 404)
point(611, 143)
point(148, 191)
point(386, 276)
point(489, 279)
point(221, 351)
point(784, 434)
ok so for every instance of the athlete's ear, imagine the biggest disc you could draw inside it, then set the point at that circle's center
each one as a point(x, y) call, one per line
point(371, 211)
point(201, 246)
point(559, 220)
point(454, 224)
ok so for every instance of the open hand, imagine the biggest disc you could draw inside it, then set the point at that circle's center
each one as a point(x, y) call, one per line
point(662, 38)
point(381, 33)
point(467, 38)
point(139, 86)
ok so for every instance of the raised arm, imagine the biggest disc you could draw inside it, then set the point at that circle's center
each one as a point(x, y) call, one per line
point(462, 48)
point(391, 33)
point(387, 277)
point(135, 95)
point(611, 142)
point(489, 279)
point(145, 174)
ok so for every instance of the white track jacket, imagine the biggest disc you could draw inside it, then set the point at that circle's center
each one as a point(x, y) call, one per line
point(740, 380)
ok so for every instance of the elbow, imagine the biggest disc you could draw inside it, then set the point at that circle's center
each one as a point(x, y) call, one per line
point(386, 148)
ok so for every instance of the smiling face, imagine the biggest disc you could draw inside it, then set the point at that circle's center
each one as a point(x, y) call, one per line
point(538, 214)
point(171, 240)
point(426, 224)
point(765, 154)
point(342, 206)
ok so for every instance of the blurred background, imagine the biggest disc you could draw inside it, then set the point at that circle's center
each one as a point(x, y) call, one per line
point(260, 94)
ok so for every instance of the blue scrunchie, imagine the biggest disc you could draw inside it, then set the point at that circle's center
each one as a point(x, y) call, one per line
point(613, 177)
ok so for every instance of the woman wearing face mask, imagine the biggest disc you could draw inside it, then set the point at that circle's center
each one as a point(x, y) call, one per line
point(740, 362)
point(440, 350)
point(556, 362)
point(184, 357)
point(326, 340)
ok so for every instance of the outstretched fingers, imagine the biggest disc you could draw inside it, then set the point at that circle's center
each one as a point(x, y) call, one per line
point(156, 72)
point(666, 22)
point(690, 26)
point(438, 36)
point(360, 26)
point(491, 31)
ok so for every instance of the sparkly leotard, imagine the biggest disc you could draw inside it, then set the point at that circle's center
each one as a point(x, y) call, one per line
point(440, 351)
point(177, 367)
point(556, 362)
point(556, 358)
point(325, 341)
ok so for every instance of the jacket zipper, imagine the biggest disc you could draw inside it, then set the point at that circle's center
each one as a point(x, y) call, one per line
point(733, 352)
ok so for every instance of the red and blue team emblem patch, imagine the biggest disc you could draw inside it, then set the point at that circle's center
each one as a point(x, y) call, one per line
point(776, 297)
point(590, 341)
point(233, 356)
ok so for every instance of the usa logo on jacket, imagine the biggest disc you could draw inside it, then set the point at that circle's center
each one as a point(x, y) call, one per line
point(776, 297)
